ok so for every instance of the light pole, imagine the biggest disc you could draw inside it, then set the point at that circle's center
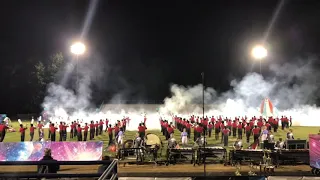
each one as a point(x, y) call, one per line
point(204, 145)
point(77, 49)
point(259, 52)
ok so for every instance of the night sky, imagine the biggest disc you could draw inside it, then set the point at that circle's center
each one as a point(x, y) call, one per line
point(147, 45)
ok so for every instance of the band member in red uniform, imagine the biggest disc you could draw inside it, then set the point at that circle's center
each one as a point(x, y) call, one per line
point(268, 126)
point(49, 132)
point(210, 126)
point(229, 124)
point(240, 127)
point(3, 129)
point(216, 130)
point(188, 129)
point(142, 130)
point(40, 126)
point(276, 124)
point(97, 128)
point(234, 128)
point(22, 132)
point(85, 132)
point(79, 132)
point(53, 132)
point(200, 131)
point(225, 132)
point(107, 124)
point(222, 126)
point(64, 132)
point(116, 130)
point(124, 125)
point(248, 132)
point(256, 133)
point(91, 130)
point(205, 126)
point(110, 129)
point(100, 126)
point(75, 129)
point(61, 131)
point(31, 132)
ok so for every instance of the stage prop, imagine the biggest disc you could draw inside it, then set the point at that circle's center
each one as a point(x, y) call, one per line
point(314, 145)
point(61, 151)
point(267, 109)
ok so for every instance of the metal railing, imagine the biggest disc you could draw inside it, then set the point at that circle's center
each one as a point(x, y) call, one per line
point(108, 171)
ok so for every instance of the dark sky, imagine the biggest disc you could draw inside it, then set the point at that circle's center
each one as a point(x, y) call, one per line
point(149, 44)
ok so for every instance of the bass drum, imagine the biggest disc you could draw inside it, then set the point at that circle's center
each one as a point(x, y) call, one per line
point(126, 147)
point(153, 140)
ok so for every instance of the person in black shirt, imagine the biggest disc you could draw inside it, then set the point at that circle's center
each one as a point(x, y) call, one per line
point(50, 168)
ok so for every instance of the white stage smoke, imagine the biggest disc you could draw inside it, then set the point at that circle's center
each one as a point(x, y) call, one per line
point(293, 89)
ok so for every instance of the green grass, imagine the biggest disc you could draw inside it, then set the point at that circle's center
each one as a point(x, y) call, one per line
point(299, 133)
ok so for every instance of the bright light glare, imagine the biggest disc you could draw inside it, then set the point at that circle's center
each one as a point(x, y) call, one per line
point(78, 48)
point(259, 52)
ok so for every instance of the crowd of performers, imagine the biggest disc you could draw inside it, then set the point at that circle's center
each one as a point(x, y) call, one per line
point(78, 130)
point(259, 128)
point(256, 127)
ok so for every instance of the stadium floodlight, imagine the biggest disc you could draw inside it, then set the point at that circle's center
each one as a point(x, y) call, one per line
point(259, 52)
point(78, 48)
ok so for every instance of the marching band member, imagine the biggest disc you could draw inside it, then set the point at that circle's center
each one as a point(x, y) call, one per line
point(188, 128)
point(3, 128)
point(71, 131)
point(120, 137)
point(142, 130)
point(290, 135)
point(91, 130)
point(234, 128)
point(64, 131)
point(270, 137)
point(172, 143)
point(41, 136)
point(225, 132)
point(248, 130)
point(210, 126)
point(40, 126)
point(22, 132)
point(53, 132)
point(100, 127)
point(85, 132)
point(256, 133)
point(184, 137)
point(79, 132)
point(31, 132)
point(279, 144)
point(96, 125)
point(110, 129)
point(217, 130)
point(61, 131)
point(237, 144)
point(170, 130)
point(49, 132)
point(264, 134)
point(240, 127)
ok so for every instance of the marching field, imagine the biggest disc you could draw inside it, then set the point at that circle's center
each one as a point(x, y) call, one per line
point(299, 133)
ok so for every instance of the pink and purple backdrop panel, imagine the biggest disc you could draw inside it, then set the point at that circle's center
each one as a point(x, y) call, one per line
point(314, 150)
point(61, 151)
